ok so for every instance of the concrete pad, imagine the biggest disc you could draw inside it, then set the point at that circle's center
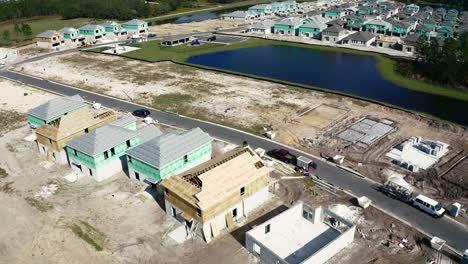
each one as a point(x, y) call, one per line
point(179, 234)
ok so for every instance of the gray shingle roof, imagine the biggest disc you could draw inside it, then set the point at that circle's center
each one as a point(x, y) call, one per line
point(334, 29)
point(91, 27)
point(266, 24)
point(47, 34)
point(125, 121)
point(360, 36)
point(101, 139)
point(148, 132)
point(109, 24)
point(292, 21)
point(162, 150)
point(67, 30)
point(57, 107)
point(135, 22)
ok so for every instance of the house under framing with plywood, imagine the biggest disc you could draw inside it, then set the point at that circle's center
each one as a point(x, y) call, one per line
point(216, 194)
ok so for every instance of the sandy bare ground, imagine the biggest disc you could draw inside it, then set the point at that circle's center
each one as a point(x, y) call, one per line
point(19, 97)
point(193, 27)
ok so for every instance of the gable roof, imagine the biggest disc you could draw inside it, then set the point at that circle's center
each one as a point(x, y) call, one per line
point(360, 36)
point(109, 24)
point(314, 24)
point(292, 21)
point(165, 148)
point(73, 123)
point(214, 181)
point(334, 29)
point(57, 107)
point(379, 22)
point(48, 34)
point(68, 30)
point(101, 139)
point(265, 24)
point(91, 27)
point(422, 27)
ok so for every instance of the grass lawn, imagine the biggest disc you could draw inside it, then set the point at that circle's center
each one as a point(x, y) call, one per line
point(41, 24)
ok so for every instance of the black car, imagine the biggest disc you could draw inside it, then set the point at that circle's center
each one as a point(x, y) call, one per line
point(212, 38)
point(141, 113)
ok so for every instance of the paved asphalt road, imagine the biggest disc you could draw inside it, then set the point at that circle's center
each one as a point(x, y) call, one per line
point(455, 234)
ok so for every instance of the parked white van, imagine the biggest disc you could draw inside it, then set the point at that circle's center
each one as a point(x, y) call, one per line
point(428, 205)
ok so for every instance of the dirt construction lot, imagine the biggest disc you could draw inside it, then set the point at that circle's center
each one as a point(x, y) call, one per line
point(305, 119)
point(48, 219)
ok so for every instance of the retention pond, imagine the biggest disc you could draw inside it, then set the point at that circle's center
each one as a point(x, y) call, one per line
point(346, 73)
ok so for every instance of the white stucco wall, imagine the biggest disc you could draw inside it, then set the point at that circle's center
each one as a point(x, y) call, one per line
point(100, 174)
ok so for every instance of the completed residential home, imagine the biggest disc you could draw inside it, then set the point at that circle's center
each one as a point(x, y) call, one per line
point(360, 38)
point(333, 34)
point(136, 26)
point(54, 109)
point(92, 32)
point(378, 26)
point(168, 154)
point(240, 15)
point(51, 138)
point(264, 27)
point(112, 27)
point(49, 39)
point(71, 35)
point(216, 194)
point(312, 29)
point(287, 26)
point(410, 43)
point(101, 153)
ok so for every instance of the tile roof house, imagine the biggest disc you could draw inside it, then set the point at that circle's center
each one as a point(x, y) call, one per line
point(333, 34)
point(263, 27)
point(168, 154)
point(360, 38)
point(216, 194)
point(54, 109)
point(49, 39)
point(52, 137)
point(101, 153)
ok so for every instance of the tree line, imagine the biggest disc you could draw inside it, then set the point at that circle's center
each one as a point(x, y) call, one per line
point(19, 30)
point(103, 9)
point(446, 64)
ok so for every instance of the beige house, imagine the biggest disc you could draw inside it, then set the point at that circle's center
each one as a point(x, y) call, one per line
point(49, 39)
point(216, 194)
point(51, 138)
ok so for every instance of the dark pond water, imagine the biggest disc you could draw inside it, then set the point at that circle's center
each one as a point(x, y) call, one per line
point(352, 74)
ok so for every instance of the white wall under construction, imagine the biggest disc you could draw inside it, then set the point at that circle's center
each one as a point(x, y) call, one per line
point(219, 222)
point(100, 174)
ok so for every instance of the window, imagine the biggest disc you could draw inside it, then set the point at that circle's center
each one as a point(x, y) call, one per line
point(256, 248)
point(267, 229)
point(113, 151)
point(242, 191)
point(166, 191)
point(128, 144)
point(90, 172)
point(74, 152)
point(50, 141)
point(106, 156)
point(86, 130)
point(129, 159)
point(186, 158)
point(199, 213)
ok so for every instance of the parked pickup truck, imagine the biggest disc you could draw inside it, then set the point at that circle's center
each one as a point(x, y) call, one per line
point(283, 155)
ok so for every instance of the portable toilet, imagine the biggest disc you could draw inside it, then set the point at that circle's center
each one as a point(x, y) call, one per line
point(455, 211)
